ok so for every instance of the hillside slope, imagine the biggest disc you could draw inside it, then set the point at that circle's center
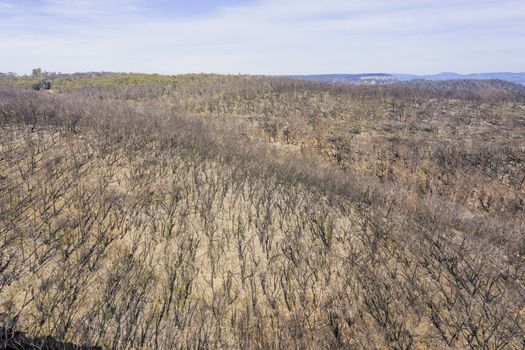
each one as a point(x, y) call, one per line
point(248, 212)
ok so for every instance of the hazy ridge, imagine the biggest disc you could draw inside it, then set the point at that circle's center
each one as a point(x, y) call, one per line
point(382, 78)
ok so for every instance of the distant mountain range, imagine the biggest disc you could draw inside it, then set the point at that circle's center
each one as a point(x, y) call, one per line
point(389, 78)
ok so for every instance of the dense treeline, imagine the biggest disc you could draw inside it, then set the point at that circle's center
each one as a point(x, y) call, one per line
point(248, 212)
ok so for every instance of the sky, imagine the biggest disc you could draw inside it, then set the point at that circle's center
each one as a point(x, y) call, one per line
point(271, 37)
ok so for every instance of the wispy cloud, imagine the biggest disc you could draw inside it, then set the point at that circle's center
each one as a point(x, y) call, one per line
point(267, 37)
point(89, 8)
point(7, 8)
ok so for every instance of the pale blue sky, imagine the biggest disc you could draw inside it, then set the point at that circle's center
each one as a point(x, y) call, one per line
point(263, 37)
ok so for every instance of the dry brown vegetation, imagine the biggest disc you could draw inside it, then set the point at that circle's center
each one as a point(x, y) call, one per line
point(250, 212)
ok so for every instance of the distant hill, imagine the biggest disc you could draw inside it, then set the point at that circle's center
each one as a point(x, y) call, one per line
point(366, 78)
point(388, 78)
point(518, 78)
